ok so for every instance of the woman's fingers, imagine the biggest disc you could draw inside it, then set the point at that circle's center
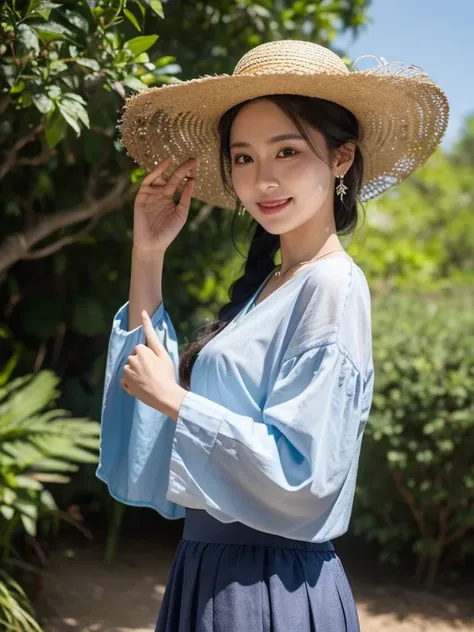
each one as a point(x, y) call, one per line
point(186, 196)
point(155, 181)
point(178, 176)
point(158, 172)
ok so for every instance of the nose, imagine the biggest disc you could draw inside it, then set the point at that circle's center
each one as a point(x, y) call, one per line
point(266, 179)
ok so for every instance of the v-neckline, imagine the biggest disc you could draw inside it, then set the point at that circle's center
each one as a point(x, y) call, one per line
point(251, 303)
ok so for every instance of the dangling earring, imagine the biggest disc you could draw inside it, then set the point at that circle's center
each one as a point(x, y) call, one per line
point(341, 188)
point(241, 210)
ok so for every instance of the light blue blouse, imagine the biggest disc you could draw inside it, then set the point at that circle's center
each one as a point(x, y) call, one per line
point(270, 433)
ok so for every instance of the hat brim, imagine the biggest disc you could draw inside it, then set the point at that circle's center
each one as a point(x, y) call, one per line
point(402, 119)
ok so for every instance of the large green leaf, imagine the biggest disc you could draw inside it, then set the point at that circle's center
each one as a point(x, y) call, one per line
point(55, 128)
point(140, 44)
point(157, 7)
point(51, 31)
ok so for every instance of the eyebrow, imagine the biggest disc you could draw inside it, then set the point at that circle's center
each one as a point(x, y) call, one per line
point(274, 139)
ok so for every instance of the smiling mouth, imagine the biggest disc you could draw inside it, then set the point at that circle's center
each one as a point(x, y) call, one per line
point(274, 207)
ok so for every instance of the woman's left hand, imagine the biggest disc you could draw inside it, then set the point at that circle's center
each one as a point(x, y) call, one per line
point(150, 376)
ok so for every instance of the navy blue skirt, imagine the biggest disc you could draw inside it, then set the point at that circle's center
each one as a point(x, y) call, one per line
point(231, 578)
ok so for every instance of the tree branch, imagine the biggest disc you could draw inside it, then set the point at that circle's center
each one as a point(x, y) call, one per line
point(18, 246)
point(40, 159)
point(410, 500)
point(65, 241)
point(5, 101)
point(11, 156)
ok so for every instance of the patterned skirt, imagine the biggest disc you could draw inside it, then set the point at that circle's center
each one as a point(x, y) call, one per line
point(231, 578)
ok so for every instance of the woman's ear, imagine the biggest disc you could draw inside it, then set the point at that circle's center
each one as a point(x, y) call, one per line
point(343, 158)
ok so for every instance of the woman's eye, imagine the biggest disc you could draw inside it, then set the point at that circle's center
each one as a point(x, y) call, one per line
point(290, 149)
point(241, 162)
point(242, 159)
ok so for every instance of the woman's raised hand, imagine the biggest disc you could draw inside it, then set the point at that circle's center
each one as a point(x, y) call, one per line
point(157, 218)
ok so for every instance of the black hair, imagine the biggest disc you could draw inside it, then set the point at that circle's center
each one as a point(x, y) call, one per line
point(338, 126)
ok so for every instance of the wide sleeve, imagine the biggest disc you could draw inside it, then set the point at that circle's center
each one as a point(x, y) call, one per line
point(287, 468)
point(136, 440)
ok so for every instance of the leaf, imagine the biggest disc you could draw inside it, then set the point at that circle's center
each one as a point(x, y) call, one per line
point(57, 66)
point(75, 97)
point(164, 61)
point(157, 7)
point(26, 482)
point(140, 44)
point(44, 9)
point(27, 396)
point(88, 442)
point(51, 31)
point(32, 6)
point(18, 87)
point(131, 18)
point(48, 501)
point(41, 6)
point(45, 477)
point(55, 128)
point(42, 103)
point(9, 496)
point(134, 83)
point(141, 7)
point(57, 465)
point(54, 92)
point(7, 512)
point(29, 525)
point(88, 63)
point(75, 110)
point(27, 507)
point(77, 20)
point(28, 38)
point(69, 117)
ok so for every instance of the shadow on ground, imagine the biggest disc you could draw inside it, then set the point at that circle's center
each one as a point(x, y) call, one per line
point(82, 594)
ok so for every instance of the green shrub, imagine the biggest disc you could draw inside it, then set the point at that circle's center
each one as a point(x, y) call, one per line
point(37, 445)
point(16, 614)
point(416, 478)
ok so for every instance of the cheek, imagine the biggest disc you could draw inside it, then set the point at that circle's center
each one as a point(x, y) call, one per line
point(314, 175)
point(240, 182)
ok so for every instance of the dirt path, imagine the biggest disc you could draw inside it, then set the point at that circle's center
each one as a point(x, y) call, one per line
point(82, 594)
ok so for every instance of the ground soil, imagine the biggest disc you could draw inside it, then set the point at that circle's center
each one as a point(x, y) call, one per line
point(82, 594)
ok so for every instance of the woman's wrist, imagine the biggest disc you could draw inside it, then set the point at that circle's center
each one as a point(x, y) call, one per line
point(142, 253)
point(171, 404)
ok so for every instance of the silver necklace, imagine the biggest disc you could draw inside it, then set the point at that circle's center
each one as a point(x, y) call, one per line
point(279, 274)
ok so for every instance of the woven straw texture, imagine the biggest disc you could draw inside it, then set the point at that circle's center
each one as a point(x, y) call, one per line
point(403, 115)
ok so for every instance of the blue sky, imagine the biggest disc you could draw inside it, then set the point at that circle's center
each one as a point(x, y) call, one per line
point(434, 34)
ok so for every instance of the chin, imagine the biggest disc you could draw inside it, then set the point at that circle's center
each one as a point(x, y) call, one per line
point(277, 228)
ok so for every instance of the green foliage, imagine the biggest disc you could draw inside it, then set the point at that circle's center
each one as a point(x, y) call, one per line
point(421, 234)
point(16, 614)
point(55, 57)
point(65, 70)
point(416, 480)
point(228, 28)
point(67, 254)
point(38, 445)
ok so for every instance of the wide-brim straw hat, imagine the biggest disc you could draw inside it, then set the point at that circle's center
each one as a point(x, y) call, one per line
point(402, 114)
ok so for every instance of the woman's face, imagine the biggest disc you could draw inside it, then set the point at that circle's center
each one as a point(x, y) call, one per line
point(272, 161)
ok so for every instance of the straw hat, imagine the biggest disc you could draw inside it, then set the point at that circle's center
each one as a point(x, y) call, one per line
point(402, 113)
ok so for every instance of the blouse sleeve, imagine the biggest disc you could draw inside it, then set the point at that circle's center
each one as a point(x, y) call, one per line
point(285, 469)
point(135, 445)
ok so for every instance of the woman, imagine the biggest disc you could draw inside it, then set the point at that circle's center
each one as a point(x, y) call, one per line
point(254, 433)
